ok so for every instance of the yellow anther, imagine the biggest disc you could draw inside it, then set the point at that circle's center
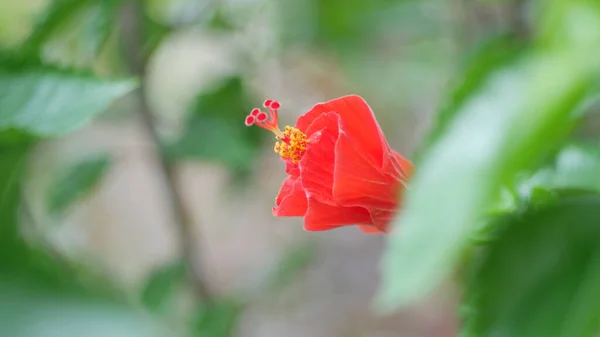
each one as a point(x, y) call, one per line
point(292, 144)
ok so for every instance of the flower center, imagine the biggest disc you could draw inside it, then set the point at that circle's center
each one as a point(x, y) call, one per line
point(291, 142)
point(293, 145)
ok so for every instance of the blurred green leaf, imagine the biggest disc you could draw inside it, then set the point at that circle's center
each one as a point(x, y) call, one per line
point(76, 181)
point(216, 129)
point(517, 113)
point(77, 38)
point(293, 262)
point(342, 24)
point(178, 13)
point(49, 102)
point(220, 21)
point(16, 20)
point(162, 284)
point(577, 167)
point(154, 34)
point(31, 309)
point(40, 297)
point(491, 54)
point(12, 160)
point(58, 12)
point(540, 276)
point(86, 23)
point(218, 319)
point(14, 137)
point(565, 24)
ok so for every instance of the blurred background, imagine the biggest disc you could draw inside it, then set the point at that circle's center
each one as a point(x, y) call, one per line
point(165, 198)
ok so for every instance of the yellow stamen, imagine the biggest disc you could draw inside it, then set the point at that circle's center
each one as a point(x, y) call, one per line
point(292, 144)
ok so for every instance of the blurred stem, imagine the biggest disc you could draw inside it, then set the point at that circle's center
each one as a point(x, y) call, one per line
point(475, 18)
point(518, 20)
point(467, 26)
point(133, 43)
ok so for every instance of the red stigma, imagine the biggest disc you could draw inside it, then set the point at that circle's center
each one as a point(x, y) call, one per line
point(267, 120)
point(261, 116)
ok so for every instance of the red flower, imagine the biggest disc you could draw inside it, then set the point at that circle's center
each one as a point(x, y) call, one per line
point(341, 168)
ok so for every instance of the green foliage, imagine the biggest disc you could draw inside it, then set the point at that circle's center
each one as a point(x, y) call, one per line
point(155, 33)
point(76, 181)
point(216, 131)
point(43, 295)
point(577, 167)
point(40, 297)
point(57, 13)
point(12, 160)
point(334, 23)
point(217, 319)
point(47, 101)
point(162, 284)
point(292, 263)
point(70, 32)
point(495, 192)
point(493, 53)
point(515, 115)
point(540, 276)
point(31, 309)
point(76, 33)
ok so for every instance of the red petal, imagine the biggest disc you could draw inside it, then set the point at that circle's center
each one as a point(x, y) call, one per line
point(321, 216)
point(291, 168)
point(317, 164)
point(398, 166)
point(382, 219)
point(358, 181)
point(370, 229)
point(291, 199)
point(359, 123)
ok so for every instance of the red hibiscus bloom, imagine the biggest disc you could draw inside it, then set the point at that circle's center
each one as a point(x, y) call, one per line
point(341, 168)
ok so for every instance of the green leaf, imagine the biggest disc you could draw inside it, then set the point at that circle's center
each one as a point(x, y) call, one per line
point(575, 170)
point(491, 54)
point(79, 27)
point(32, 309)
point(58, 12)
point(577, 167)
point(217, 118)
point(506, 124)
point(346, 24)
point(202, 135)
point(178, 13)
point(292, 263)
point(41, 297)
point(12, 162)
point(76, 181)
point(154, 34)
point(16, 20)
point(77, 39)
point(50, 102)
point(162, 284)
point(218, 319)
point(540, 276)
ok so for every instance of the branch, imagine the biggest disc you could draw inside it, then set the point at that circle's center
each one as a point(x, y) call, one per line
point(133, 38)
point(517, 19)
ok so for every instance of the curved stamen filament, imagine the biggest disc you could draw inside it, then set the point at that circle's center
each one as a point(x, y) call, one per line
point(266, 121)
point(292, 142)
